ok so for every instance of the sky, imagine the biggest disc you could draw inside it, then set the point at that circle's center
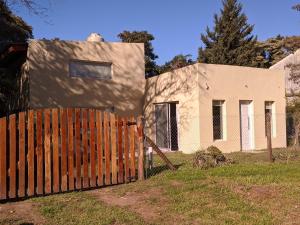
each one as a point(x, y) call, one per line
point(175, 24)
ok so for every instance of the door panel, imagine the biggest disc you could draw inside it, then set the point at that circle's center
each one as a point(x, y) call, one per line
point(162, 130)
point(246, 138)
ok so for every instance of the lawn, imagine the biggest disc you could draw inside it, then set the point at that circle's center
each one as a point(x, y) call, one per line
point(252, 191)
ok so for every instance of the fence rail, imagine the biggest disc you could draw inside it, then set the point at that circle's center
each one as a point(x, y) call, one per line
point(56, 150)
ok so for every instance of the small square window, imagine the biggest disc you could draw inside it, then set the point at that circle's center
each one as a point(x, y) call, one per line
point(88, 69)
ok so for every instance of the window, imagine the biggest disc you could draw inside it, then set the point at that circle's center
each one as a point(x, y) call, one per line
point(98, 70)
point(218, 119)
point(270, 109)
point(166, 125)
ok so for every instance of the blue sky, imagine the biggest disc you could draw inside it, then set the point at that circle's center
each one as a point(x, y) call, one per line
point(176, 24)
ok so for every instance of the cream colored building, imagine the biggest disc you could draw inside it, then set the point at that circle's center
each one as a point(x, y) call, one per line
point(292, 88)
point(204, 104)
point(188, 109)
point(93, 73)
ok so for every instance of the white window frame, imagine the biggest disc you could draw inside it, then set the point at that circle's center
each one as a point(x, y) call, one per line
point(223, 130)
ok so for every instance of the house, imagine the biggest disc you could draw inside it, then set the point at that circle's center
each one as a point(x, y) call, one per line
point(204, 104)
point(291, 64)
point(292, 88)
point(186, 109)
point(91, 73)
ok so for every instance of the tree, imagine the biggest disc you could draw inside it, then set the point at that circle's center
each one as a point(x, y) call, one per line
point(150, 56)
point(31, 5)
point(177, 62)
point(230, 42)
point(13, 28)
point(276, 48)
point(296, 7)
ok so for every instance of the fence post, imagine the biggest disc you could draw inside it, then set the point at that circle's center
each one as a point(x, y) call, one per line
point(269, 136)
point(140, 132)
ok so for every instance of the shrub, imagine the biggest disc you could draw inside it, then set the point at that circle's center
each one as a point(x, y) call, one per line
point(210, 158)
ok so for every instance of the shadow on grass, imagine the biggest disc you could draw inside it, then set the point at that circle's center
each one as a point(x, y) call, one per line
point(150, 172)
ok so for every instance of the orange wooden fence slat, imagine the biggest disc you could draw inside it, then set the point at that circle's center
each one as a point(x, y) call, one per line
point(78, 148)
point(3, 171)
point(30, 154)
point(113, 143)
point(22, 154)
point(39, 152)
point(132, 150)
point(106, 149)
point(12, 156)
point(64, 138)
point(140, 133)
point(120, 151)
point(70, 113)
point(85, 149)
point(99, 147)
point(47, 142)
point(55, 143)
point(92, 147)
point(126, 150)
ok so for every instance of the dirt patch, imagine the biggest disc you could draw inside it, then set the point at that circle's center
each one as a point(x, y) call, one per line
point(150, 204)
point(176, 183)
point(22, 212)
point(258, 193)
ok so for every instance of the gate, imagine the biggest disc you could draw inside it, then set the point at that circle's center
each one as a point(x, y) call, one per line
point(49, 151)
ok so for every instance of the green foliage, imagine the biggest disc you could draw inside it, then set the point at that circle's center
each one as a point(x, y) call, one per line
point(146, 38)
point(13, 28)
point(275, 49)
point(9, 91)
point(231, 41)
point(177, 62)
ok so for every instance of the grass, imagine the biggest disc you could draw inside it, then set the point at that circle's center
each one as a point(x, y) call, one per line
point(82, 208)
point(252, 191)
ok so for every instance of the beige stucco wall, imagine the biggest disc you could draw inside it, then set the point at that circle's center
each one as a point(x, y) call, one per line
point(232, 84)
point(179, 85)
point(51, 85)
point(202, 83)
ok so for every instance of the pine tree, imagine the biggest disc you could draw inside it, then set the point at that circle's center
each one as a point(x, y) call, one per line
point(231, 41)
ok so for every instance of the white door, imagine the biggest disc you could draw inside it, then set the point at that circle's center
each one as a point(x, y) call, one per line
point(246, 125)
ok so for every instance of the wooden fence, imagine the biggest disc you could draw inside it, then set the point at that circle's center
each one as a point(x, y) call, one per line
point(48, 151)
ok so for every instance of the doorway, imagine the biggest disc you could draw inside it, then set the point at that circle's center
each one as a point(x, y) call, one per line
point(166, 126)
point(246, 125)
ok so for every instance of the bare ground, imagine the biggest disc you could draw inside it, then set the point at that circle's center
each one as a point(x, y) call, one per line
point(22, 212)
point(138, 202)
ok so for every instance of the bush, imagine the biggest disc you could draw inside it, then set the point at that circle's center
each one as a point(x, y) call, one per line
point(210, 158)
